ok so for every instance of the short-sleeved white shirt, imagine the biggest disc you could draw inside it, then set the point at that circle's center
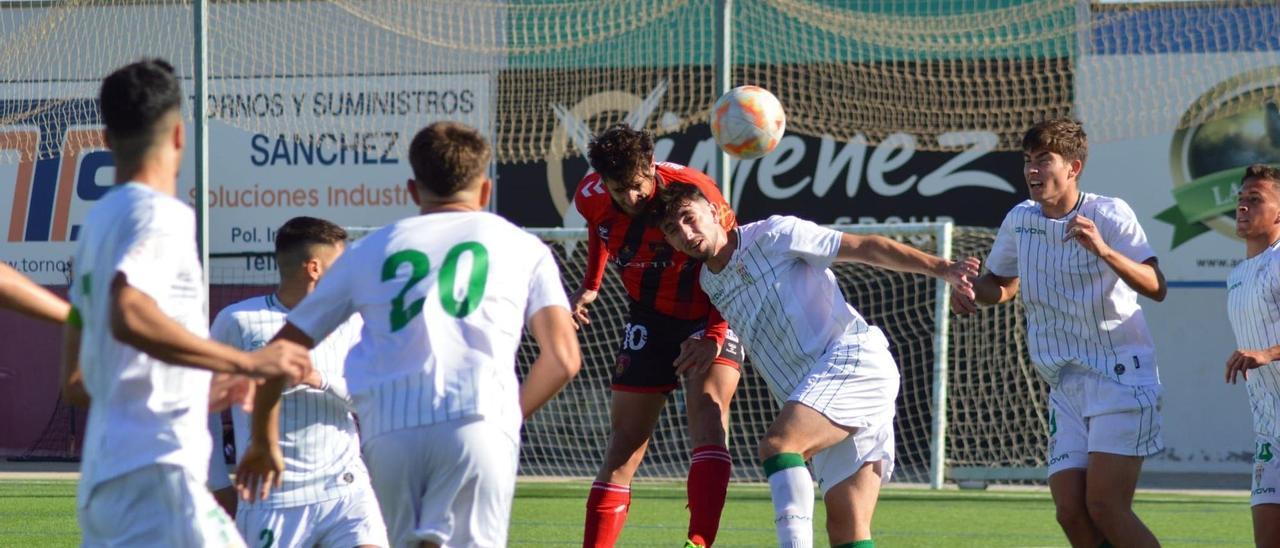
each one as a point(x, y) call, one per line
point(1253, 305)
point(318, 434)
point(143, 411)
point(444, 298)
point(1078, 310)
point(782, 300)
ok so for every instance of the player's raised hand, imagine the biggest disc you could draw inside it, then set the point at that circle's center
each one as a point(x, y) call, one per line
point(1241, 361)
point(281, 358)
point(696, 355)
point(1083, 230)
point(578, 303)
point(261, 469)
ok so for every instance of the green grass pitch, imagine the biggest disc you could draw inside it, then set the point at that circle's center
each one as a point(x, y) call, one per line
point(42, 513)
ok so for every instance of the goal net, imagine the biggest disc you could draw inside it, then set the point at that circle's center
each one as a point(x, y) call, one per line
point(996, 416)
point(996, 403)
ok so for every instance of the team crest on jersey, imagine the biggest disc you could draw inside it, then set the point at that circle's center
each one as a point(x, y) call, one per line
point(741, 269)
point(603, 232)
point(624, 361)
point(1119, 369)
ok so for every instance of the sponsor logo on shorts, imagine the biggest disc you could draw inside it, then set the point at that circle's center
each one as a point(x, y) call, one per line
point(1058, 458)
point(1264, 491)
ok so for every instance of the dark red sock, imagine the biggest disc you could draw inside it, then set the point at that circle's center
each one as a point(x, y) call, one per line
point(709, 471)
point(607, 507)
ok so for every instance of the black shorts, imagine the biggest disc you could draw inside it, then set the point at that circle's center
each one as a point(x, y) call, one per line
point(650, 344)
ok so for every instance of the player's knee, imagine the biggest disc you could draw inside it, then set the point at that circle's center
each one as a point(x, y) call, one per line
point(1074, 517)
point(1104, 511)
point(771, 445)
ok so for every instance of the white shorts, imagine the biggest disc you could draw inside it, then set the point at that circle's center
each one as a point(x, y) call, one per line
point(855, 386)
point(1089, 413)
point(350, 520)
point(1266, 472)
point(157, 505)
point(842, 460)
point(449, 483)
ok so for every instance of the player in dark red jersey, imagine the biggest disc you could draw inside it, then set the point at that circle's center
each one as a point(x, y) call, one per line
point(671, 330)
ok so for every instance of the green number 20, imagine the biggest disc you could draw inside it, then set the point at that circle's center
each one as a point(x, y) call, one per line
point(402, 313)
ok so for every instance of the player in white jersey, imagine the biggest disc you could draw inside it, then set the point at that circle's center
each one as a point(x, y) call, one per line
point(444, 297)
point(1082, 260)
point(832, 371)
point(20, 294)
point(1253, 304)
point(138, 326)
point(325, 497)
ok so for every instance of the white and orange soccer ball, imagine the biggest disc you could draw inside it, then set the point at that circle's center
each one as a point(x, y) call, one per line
point(747, 122)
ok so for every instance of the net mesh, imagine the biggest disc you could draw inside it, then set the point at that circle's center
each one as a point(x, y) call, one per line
point(996, 402)
point(868, 68)
point(995, 405)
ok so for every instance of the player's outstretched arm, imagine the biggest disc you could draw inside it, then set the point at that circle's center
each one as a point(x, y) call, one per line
point(888, 253)
point(20, 294)
point(137, 320)
point(559, 358)
point(987, 289)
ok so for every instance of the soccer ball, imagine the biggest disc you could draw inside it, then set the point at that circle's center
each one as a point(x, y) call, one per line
point(747, 122)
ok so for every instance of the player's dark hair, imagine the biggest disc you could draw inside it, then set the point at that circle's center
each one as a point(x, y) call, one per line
point(135, 97)
point(669, 200)
point(448, 157)
point(1263, 172)
point(1063, 136)
point(296, 237)
point(620, 152)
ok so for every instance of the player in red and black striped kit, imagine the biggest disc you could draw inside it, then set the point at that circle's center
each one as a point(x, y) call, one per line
point(671, 330)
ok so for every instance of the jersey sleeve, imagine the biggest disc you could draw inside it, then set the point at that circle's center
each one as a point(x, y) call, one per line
point(806, 240)
point(597, 258)
point(1003, 258)
point(1122, 232)
point(597, 252)
point(149, 258)
point(545, 288)
point(226, 330)
point(332, 303)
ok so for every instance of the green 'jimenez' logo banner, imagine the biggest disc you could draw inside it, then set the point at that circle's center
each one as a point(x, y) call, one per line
point(1233, 125)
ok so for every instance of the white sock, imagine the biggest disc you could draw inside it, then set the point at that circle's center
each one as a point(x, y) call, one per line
point(792, 492)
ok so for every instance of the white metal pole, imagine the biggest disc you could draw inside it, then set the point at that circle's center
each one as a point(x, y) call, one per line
point(941, 348)
point(201, 131)
point(724, 80)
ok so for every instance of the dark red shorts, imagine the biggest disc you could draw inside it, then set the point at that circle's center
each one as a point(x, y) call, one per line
point(650, 344)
